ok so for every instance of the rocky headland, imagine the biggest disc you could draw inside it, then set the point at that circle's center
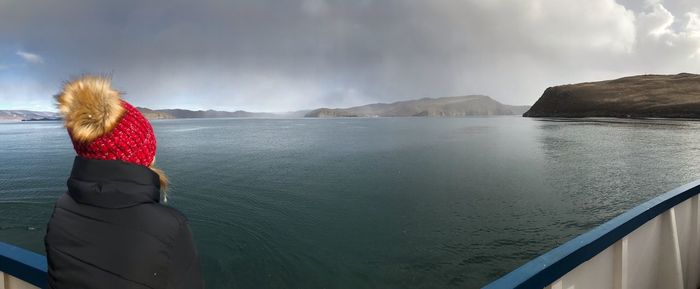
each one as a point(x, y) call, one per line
point(642, 96)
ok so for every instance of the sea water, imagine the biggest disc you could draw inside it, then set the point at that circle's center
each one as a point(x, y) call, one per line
point(373, 202)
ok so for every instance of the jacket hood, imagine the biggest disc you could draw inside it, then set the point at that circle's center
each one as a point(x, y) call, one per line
point(112, 183)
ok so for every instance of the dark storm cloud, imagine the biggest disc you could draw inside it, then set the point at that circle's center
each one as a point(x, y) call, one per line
point(285, 55)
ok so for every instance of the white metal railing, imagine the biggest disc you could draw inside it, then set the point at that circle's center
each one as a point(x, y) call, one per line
point(662, 253)
point(654, 245)
point(8, 281)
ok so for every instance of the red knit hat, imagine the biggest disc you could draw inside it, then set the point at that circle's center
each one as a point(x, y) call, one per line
point(102, 126)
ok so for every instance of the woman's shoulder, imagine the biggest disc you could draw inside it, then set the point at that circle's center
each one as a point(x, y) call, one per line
point(161, 220)
point(174, 214)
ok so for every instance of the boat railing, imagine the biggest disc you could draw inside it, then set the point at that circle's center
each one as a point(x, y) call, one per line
point(21, 269)
point(654, 245)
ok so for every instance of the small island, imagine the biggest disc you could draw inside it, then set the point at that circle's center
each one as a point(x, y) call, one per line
point(642, 96)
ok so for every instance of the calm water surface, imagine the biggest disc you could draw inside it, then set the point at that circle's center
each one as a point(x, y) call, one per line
point(373, 203)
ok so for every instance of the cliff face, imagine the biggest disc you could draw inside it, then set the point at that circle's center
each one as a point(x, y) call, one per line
point(458, 106)
point(668, 96)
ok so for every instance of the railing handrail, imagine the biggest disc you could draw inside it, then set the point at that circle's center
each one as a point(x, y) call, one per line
point(23, 264)
point(545, 269)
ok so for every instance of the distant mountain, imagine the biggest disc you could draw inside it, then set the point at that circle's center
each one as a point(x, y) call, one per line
point(184, 113)
point(28, 115)
point(23, 115)
point(665, 96)
point(456, 106)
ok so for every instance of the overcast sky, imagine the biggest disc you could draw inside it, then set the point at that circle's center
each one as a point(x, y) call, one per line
point(287, 55)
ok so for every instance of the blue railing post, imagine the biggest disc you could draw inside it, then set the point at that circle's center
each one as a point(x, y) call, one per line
point(23, 264)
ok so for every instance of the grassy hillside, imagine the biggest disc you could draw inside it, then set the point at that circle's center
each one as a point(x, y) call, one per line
point(668, 96)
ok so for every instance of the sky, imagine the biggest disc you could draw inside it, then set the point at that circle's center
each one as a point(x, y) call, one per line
point(288, 55)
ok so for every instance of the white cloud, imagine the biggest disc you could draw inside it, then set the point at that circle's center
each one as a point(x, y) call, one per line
point(658, 39)
point(30, 57)
point(657, 22)
point(539, 25)
point(693, 25)
point(651, 3)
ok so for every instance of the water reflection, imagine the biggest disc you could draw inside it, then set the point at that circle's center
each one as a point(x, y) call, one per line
point(374, 203)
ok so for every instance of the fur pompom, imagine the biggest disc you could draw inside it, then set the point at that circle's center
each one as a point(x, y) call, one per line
point(90, 107)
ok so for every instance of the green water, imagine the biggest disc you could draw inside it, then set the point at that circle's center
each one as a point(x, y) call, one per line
point(373, 203)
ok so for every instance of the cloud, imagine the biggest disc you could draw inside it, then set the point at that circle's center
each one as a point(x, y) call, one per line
point(314, 7)
point(22, 94)
point(30, 57)
point(297, 54)
point(693, 25)
point(657, 22)
point(664, 44)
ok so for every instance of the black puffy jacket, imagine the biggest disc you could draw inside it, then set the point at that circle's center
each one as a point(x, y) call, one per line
point(110, 231)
